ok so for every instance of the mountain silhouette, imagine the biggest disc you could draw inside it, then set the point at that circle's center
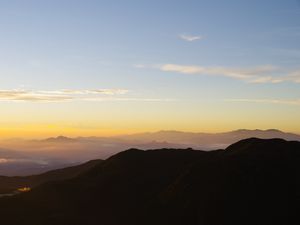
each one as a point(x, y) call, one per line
point(58, 139)
point(38, 156)
point(252, 182)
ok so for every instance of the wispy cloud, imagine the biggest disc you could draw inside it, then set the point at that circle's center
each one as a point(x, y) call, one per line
point(259, 74)
point(97, 95)
point(85, 92)
point(131, 99)
point(294, 76)
point(108, 91)
point(239, 73)
point(268, 101)
point(57, 95)
point(190, 38)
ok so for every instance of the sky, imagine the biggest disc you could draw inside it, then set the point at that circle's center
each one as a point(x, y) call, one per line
point(94, 68)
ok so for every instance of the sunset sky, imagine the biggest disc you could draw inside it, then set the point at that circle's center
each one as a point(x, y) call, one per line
point(97, 67)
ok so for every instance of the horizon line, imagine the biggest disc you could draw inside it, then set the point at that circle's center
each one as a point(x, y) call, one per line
point(146, 132)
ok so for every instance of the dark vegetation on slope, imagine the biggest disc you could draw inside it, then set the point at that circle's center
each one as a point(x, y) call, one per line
point(252, 182)
point(10, 184)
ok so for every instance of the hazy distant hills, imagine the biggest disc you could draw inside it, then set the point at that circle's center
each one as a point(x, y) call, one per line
point(37, 156)
point(208, 140)
point(252, 182)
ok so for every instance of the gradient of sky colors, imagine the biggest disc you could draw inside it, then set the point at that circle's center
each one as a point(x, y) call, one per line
point(87, 67)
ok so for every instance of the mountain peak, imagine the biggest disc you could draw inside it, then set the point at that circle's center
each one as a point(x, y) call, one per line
point(274, 130)
point(60, 139)
point(257, 130)
point(262, 146)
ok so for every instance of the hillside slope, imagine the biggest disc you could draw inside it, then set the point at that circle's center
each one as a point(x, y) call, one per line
point(10, 184)
point(251, 182)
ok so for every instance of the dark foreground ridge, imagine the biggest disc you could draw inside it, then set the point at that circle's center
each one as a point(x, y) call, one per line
point(10, 184)
point(252, 182)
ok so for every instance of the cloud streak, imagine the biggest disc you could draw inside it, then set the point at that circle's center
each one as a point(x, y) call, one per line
point(259, 74)
point(67, 95)
point(268, 101)
point(131, 99)
point(190, 38)
point(57, 95)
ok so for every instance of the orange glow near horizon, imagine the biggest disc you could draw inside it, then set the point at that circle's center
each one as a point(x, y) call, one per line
point(41, 120)
point(44, 131)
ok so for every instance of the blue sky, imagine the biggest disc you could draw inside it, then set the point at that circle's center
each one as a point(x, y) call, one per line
point(166, 56)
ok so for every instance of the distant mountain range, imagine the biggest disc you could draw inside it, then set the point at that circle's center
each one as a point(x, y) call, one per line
point(208, 141)
point(252, 182)
point(171, 138)
point(36, 156)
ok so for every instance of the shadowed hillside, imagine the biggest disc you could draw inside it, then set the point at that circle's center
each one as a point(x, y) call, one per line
point(11, 184)
point(252, 182)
